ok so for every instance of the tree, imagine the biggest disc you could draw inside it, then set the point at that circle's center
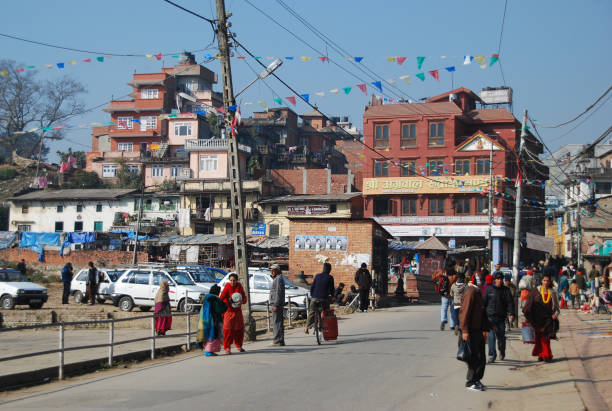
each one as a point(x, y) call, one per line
point(77, 178)
point(80, 156)
point(27, 103)
point(215, 124)
point(127, 178)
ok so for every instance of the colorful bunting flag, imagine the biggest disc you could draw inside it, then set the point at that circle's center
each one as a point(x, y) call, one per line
point(241, 57)
point(358, 59)
point(219, 109)
point(20, 70)
point(289, 58)
point(390, 59)
point(450, 69)
point(291, 99)
point(378, 85)
point(49, 66)
point(71, 62)
point(263, 104)
point(305, 58)
point(391, 81)
point(494, 58)
point(87, 60)
point(346, 89)
point(405, 79)
point(435, 74)
point(400, 60)
point(278, 101)
point(4, 73)
point(257, 57)
point(100, 59)
point(233, 108)
point(363, 88)
point(481, 60)
point(334, 90)
point(306, 97)
point(60, 65)
point(420, 61)
point(467, 60)
point(320, 93)
point(421, 76)
point(323, 58)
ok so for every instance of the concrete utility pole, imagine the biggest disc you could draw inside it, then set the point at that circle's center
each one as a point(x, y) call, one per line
point(516, 254)
point(234, 166)
point(578, 233)
point(491, 208)
point(140, 206)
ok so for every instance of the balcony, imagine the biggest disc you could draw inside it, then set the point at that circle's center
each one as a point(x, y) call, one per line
point(184, 174)
point(221, 186)
point(212, 144)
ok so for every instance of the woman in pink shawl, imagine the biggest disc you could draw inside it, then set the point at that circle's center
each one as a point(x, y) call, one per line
point(163, 319)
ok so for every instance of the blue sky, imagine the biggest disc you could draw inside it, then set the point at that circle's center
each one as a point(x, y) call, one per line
point(556, 54)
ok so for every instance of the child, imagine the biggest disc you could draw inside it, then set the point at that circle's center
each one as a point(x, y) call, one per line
point(574, 292)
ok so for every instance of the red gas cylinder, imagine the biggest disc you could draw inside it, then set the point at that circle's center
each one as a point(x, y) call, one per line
point(330, 325)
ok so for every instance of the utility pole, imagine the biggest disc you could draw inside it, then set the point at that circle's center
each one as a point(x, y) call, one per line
point(234, 166)
point(140, 205)
point(516, 254)
point(491, 208)
point(578, 233)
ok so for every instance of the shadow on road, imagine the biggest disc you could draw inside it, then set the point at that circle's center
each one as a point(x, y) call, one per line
point(542, 384)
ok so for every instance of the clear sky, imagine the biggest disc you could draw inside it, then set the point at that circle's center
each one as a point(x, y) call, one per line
point(556, 55)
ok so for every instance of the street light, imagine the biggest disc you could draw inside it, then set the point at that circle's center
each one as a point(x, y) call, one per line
point(269, 70)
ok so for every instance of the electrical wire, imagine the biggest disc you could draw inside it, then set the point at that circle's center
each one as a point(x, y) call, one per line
point(501, 35)
point(581, 114)
point(212, 22)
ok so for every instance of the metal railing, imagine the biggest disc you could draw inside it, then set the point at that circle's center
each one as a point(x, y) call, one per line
point(211, 144)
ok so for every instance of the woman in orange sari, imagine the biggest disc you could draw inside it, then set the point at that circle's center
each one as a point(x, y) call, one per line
point(542, 313)
point(163, 321)
point(233, 296)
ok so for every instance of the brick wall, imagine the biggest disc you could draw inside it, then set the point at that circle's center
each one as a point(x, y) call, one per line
point(78, 258)
point(360, 241)
point(316, 181)
point(353, 151)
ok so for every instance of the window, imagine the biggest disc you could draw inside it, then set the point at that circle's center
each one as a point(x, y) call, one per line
point(149, 93)
point(79, 208)
point(274, 230)
point(482, 166)
point(60, 208)
point(140, 277)
point(462, 167)
point(408, 168)
point(436, 206)
point(408, 138)
point(333, 208)
point(98, 208)
point(59, 226)
point(78, 226)
point(175, 170)
point(229, 228)
point(98, 225)
point(381, 135)
point(133, 168)
point(157, 170)
point(125, 147)
point(436, 134)
point(436, 167)
point(462, 205)
point(603, 188)
point(158, 277)
point(228, 201)
point(204, 228)
point(148, 123)
point(25, 209)
point(274, 209)
point(383, 207)
point(409, 206)
point(124, 123)
point(209, 163)
point(482, 204)
point(109, 170)
point(381, 168)
point(167, 204)
point(24, 227)
point(182, 129)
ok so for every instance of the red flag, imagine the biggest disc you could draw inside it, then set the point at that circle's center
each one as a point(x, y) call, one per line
point(220, 109)
point(87, 60)
point(241, 57)
point(236, 122)
point(400, 60)
point(158, 56)
point(519, 174)
point(291, 99)
point(363, 88)
point(323, 59)
point(20, 70)
point(434, 74)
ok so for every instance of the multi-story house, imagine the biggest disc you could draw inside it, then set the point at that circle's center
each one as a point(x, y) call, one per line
point(430, 173)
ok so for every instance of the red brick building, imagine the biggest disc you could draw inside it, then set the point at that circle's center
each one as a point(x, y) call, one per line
point(430, 175)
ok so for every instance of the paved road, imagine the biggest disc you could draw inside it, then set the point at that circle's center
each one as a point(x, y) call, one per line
point(394, 359)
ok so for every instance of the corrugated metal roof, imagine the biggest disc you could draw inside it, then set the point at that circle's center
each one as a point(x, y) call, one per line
point(432, 243)
point(301, 198)
point(397, 110)
point(75, 194)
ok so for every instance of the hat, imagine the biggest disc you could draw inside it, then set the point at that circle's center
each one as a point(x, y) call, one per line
point(508, 277)
point(529, 272)
point(499, 276)
point(274, 267)
point(364, 265)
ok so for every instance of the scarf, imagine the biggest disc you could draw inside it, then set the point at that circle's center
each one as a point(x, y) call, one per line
point(162, 293)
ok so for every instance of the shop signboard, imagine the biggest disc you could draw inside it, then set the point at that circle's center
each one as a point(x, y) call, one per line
point(427, 185)
point(258, 229)
point(308, 209)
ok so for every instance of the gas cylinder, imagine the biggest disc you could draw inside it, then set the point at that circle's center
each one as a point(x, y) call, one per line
point(330, 325)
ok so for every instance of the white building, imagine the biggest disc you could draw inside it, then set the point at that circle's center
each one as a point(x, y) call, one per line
point(69, 210)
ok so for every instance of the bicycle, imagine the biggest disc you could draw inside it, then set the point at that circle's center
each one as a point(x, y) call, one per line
point(318, 321)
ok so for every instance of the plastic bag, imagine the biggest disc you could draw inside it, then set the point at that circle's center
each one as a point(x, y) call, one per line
point(528, 334)
point(464, 353)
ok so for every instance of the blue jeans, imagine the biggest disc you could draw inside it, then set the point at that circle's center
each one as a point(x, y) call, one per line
point(500, 335)
point(454, 315)
point(446, 304)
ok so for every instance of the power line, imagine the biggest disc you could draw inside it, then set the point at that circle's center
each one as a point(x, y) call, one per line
point(212, 22)
point(501, 35)
point(581, 114)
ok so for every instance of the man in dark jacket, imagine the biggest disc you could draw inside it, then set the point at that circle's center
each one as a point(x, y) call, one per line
point(473, 321)
point(66, 280)
point(549, 269)
point(277, 301)
point(580, 279)
point(321, 291)
point(92, 283)
point(498, 304)
point(21, 267)
point(364, 281)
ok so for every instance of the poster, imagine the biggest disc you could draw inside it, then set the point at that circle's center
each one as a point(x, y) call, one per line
point(258, 229)
point(320, 242)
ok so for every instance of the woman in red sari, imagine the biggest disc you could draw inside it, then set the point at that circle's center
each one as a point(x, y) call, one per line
point(233, 296)
point(162, 309)
point(542, 313)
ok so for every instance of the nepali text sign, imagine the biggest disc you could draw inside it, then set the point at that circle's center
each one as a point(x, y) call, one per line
point(308, 210)
point(425, 185)
point(258, 229)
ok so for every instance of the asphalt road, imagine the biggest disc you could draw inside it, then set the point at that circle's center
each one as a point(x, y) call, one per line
point(394, 359)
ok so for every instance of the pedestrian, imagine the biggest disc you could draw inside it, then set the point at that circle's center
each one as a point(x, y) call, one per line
point(473, 322)
point(321, 290)
point(593, 274)
point(488, 283)
point(163, 313)
point(21, 267)
point(525, 287)
point(66, 280)
point(277, 301)
point(210, 322)
point(233, 296)
point(352, 294)
point(456, 293)
point(339, 295)
point(542, 312)
point(574, 292)
point(364, 281)
point(92, 284)
point(442, 287)
point(498, 305)
point(549, 269)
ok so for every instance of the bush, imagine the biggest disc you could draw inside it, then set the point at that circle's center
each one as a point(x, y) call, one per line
point(6, 173)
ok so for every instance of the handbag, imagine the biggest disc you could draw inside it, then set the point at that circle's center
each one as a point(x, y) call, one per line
point(528, 334)
point(464, 353)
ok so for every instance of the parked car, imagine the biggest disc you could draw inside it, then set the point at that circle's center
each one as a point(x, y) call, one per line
point(201, 276)
point(139, 286)
point(219, 273)
point(78, 286)
point(260, 282)
point(15, 289)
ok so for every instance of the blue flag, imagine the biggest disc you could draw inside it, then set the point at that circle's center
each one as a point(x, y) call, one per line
point(378, 85)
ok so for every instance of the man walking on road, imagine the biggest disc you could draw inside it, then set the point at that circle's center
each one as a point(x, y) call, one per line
point(443, 286)
point(364, 281)
point(593, 274)
point(321, 291)
point(473, 322)
point(92, 283)
point(66, 280)
point(277, 301)
point(498, 304)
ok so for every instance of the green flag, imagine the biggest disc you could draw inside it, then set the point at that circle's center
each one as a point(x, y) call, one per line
point(278, 101)
point(420, 61)
point(347, 90)
point(421, 76)
point(494, 58)
point(100, 59)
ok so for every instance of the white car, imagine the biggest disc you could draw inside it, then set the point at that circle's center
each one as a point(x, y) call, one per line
point(78, 285)
point(260, 282)
point(138, 286)
point(15, 289)
point(201, 276)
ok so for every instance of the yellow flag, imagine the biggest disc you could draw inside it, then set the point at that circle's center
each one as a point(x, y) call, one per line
point(72, 62)
point(154, 146)
point(390, 59)
point(481, 60)
point(4, 73)
point(149, 56)
point(305, 58)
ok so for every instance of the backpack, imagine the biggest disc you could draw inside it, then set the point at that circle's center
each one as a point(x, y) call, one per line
point(442, 285)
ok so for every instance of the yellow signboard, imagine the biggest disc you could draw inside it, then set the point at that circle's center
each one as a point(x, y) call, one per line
point(426, 185)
